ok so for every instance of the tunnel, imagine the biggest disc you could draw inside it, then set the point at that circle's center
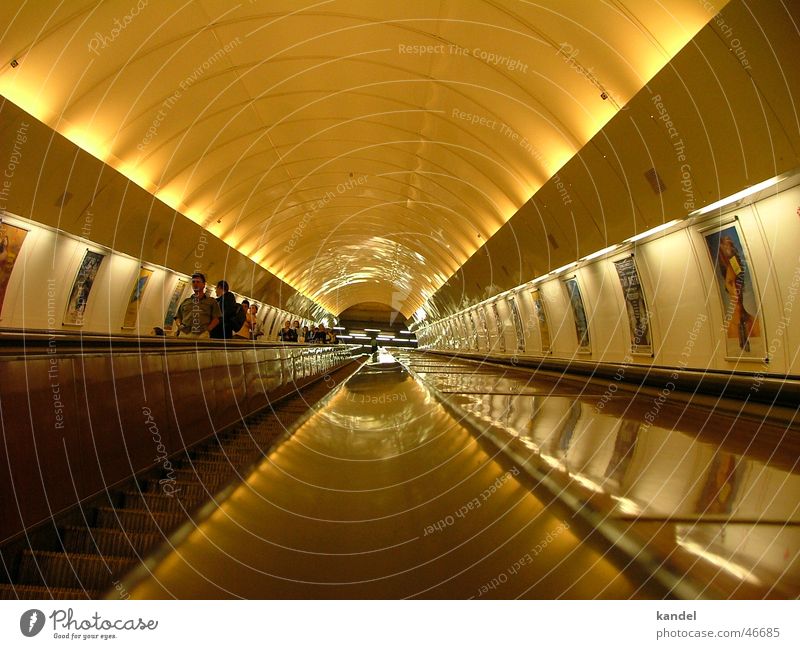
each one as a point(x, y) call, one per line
point(435, 300)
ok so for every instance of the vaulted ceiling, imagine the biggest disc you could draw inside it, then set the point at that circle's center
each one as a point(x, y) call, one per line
point(361, 151)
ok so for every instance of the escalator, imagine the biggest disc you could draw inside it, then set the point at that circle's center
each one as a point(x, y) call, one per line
point(87, 551)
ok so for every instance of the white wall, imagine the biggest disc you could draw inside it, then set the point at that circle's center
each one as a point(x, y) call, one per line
point(679, 283)
point(49, 261)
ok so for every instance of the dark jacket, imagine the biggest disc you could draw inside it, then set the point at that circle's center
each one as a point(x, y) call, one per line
point(287, 335)
point(228, 306)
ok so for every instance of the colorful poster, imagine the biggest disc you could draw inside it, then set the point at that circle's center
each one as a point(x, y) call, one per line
point(512, 306)
point(581, 323)
point(636, 306)
point(174, 303)
point(81, 287)
point(11, 238)
point(132, 312)
point(741, 306)
point(541, 319)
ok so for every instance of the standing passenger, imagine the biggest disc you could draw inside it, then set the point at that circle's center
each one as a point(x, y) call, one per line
point(287, 334)
point(256, 329)
point(247, 327)
point(198, 314)
point(228, 307)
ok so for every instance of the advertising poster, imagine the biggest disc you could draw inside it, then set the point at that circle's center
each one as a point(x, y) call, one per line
point(11, 238)
point(741, 306)
point(484, 327)
point(541, 318)
point(174, 303)
point(473, 329)
point(132, 312)
point(581, 322)
point(81, 287)
point(512, 306)
point(499, 327)
point(636, 306)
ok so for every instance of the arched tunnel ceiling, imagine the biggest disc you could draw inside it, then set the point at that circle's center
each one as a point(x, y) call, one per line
point(361, 151)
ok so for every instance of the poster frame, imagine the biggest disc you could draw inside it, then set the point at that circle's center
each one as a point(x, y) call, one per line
point(86, 250)
point(186, 282)
point(714, 226)
point(581, 349)
point(27, 231)
point(636, 350)
point(540, 315)
point(125, 325)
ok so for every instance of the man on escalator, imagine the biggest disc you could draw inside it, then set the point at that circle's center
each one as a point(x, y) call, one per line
point(229, 309)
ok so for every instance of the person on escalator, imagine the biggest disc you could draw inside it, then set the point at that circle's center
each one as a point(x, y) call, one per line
point(243, 333)
point(198, 314)
point(229, 309)
point(287, 334)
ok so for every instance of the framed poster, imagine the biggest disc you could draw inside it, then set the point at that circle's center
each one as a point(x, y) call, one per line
point(581, 323)
point(635, 305)
point(474, 329)
point(744, 336)
point(132, 312)
point(512, 306)
point(482, 319)
point(81, 287)
point(174, 303)
point(11, 238)
point(541, 318)
point(499, 326)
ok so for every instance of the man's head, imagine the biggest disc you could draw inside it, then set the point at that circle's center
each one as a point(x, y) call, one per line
point(296, 324)
point(246, 304)
point(285, 324)
point(222, 287)
point(199, 283)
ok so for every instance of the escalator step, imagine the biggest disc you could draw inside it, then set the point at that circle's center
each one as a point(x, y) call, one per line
point(70, 570)
point(188, 488)
point(159, 502)
point(108, 542)
point(138, 520)
point(26, 591)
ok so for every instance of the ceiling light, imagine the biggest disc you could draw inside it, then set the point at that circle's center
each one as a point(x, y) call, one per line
point(738, 196)
point(647, 233)
point(600, 253)
point(563, 268)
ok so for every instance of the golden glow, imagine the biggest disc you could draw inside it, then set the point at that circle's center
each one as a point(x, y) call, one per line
point(13, 88)
point(728, 566)
point(496, 170)
point(88, 140)
point(137, 175)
